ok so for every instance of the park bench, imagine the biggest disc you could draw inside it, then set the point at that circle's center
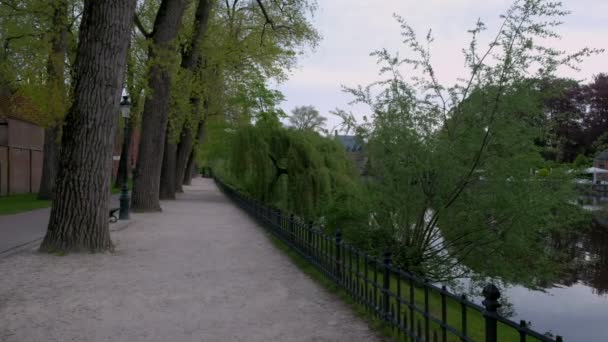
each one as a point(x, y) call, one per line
point(114, 215)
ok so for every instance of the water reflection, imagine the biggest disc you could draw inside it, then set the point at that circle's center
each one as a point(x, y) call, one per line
point(576, 305)
point(590, 259)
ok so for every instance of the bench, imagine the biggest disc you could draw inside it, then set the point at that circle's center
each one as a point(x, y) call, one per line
point(114, 215)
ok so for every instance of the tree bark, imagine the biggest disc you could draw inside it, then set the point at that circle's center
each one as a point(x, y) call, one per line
point(191, 167)
point(56, 83)
point(50, 163)
point(184, 149)
point(167, 178)
point(146, 187)
point(191, 62)
point(79, 217)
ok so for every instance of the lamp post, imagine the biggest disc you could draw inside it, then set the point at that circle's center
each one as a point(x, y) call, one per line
point(125, 111)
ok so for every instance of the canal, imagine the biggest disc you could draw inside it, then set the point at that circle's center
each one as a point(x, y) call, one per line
point(576, 305)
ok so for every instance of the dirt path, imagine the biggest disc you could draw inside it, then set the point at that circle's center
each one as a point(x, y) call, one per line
point(199, 271)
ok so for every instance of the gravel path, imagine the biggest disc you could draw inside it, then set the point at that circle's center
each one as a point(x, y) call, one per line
point(199, 271)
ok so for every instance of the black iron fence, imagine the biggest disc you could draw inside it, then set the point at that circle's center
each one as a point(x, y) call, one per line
point(415, 309)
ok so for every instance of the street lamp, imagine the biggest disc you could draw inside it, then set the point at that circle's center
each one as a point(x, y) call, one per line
point(125, 111)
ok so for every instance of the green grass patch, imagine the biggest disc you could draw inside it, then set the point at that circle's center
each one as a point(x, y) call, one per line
point(15, 204)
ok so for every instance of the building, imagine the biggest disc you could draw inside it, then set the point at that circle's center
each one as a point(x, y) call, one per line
point(601, 161)
point(354, 149)
point(21, 152)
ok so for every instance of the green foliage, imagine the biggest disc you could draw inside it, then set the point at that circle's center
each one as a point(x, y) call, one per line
point(601, 144)
point(452, 191)
point(544, 173)
point(300, 172)
point(38, 41)
point(581, 161)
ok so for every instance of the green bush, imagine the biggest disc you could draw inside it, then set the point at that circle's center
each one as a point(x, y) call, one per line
point(543, 173)
point(581, 161)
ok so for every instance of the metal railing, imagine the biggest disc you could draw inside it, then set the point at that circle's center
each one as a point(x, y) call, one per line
point(415, 309)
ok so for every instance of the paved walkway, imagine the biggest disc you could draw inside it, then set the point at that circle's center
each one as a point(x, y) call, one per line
point(199, 271)
point(24, 228)
point(19, 229)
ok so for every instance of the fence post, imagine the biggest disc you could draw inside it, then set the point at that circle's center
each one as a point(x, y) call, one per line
point(338, 265)
point(491, 295)
point(386, 285)
point(309, 239)
point(291, 227)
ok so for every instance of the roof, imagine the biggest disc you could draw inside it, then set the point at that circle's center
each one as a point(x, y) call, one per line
point(602, 156)
point(350, 142)
point(594, 170)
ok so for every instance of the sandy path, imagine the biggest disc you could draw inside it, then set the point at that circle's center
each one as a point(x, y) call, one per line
point(199, 271)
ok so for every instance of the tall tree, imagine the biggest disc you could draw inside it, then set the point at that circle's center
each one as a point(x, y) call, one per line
point(248, 43)
point(56, 84)
point(162, 56)
point(79, 217)
point(307, 118)
point(176, 154)
point(595, 122)
point(38, 36)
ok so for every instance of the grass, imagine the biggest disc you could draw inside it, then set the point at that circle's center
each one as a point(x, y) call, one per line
point(475, 321)
point(15, 204)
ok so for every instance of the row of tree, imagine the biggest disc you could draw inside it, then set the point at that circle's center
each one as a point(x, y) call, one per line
point(185, 63)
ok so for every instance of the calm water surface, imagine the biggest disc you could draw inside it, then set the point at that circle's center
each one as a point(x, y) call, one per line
point(577, 306)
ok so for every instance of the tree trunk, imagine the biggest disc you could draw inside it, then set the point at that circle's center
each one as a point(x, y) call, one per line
point(167, 178)
point(50, 163)
point(190, 168)
point(79, 217)
point(56, 85)
point(146, 187)
point(184, 149)
point(191, 62)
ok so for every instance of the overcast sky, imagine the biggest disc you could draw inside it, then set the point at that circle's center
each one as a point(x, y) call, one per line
point(351, 29)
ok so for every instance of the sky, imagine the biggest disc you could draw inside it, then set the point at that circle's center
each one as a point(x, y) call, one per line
point(351, 29)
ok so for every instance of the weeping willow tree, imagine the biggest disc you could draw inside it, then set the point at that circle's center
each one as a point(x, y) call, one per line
point(301, 172)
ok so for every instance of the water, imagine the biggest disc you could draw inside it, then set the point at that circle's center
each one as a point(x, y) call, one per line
point(576, 307)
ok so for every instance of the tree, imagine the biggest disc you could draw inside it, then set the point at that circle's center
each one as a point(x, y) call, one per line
point(176, 156)
point(595, 121)
point(162, 56)
point(56, 82)
point(79, 217)
point(451, 164)
point(38, 36)
point(307, 118)
point(564, 110)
